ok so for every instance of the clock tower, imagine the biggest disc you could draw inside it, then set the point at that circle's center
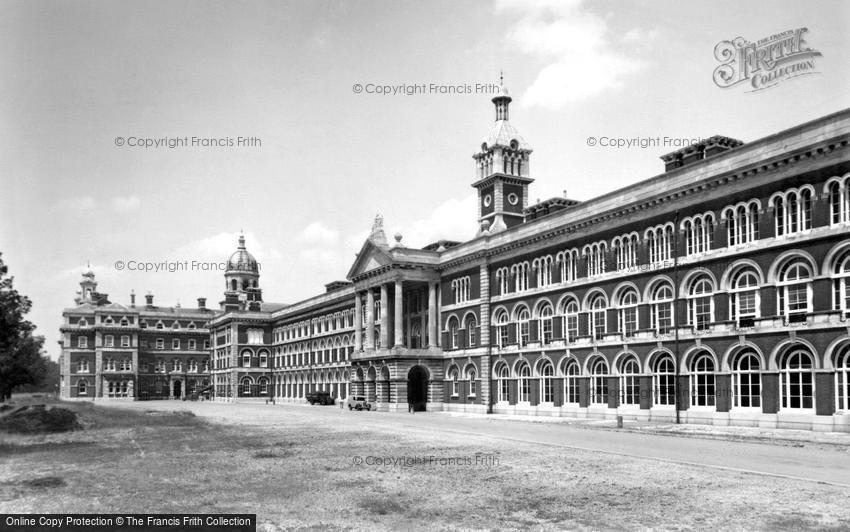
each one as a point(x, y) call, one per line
point(502, 172)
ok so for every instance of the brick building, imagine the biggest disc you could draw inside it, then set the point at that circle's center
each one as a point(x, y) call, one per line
point(716, 292)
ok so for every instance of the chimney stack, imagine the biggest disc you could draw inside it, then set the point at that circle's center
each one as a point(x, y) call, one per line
point(202, 303)
point(132, 298)
point(149, 299)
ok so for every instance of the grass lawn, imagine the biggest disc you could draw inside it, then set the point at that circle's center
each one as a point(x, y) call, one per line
point(308, 475)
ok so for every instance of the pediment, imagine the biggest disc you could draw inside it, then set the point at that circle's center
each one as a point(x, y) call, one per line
point(371, 257)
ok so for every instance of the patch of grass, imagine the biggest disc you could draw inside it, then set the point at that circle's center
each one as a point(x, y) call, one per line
point(39, 421)
point(9, 448)
point(381, 505)
point(43, 483)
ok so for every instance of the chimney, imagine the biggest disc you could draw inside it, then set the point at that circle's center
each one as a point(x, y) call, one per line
point(149, 299)
point(202, 303)
point(132, 298)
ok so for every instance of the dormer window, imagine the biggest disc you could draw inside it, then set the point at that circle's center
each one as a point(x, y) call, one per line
point(175, 325)
point(125, 322)
point(159, 325)
point(191, 326)
point(108, 320)
point(83, 323)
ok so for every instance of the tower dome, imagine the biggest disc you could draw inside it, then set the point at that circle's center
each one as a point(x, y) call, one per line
point(242, 280)
point(241, 260)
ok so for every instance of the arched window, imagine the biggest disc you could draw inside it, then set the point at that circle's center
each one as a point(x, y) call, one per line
point(520, 272)
point(746, 380)
point(702, 380)
point(661, 308)
point(841, 362)
point(793, 211)
point(545, 314)
point(699, 233)
point(471, 327)
point(745, 300)
point(522, 327)
point(664, 381)
point(245, 387)
point(264, 359)
point(524, 374)
point(841, 283)
point(568, 261)
point(453, 331)
point(839, 200)
point(629, 381)
point(82, 387)
point(471, 376)
point(246, 359)
point(627, 315)
point(796, 389)
point(794, 287)
point(263, 384)
point(700, 303)
point(503, 277)
point(626, 248)
point(659, 242)
point(543, 265)
point(571, 387)
point(599, 382)
point(503, 380)
point(597, 316)
point(569, 317)
point(595, 258)
point(546, 392)
point(453, 374)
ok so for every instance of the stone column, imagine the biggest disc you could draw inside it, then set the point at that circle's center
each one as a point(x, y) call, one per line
point(432, 314)
point(385, 317)
point(370, 319)
point(358, 322)
point(397, 319)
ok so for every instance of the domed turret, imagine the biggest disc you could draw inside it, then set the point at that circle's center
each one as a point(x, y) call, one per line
point(242, 280)
point(241, 260)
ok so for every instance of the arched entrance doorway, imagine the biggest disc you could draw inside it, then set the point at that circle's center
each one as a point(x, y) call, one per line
point(417, 388)
point(178, 389)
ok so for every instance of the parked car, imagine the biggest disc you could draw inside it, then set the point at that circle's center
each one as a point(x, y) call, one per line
point(358, 402)
point(320, 398)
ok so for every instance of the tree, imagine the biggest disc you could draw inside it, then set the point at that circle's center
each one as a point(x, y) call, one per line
point(21, 357)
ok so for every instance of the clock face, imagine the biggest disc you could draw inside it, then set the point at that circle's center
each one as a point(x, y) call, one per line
point(488, 200)
point(513, 199)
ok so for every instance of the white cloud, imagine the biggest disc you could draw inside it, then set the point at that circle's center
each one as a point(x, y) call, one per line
point(452, 220)
point(573, 43)
point(77, 204)
point(318, 233)
point(125, 203)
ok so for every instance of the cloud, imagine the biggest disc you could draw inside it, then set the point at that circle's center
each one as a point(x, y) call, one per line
point(442, 224)
point(318, 233)
point(575, 47)
point(125, 203)
point(77, 204)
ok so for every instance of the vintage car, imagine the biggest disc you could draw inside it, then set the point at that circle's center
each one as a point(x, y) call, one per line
point(358, 402)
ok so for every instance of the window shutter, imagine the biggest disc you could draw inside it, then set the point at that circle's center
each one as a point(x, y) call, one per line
point(557, 328)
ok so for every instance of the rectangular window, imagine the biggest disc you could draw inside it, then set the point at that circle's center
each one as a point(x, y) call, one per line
point(109, 341)
point(125, 341)
point(160, 343)
point(175, 344)
point(193, 344)
point(82, 342)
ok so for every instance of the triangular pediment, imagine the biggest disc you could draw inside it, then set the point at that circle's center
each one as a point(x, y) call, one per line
point(371, 257)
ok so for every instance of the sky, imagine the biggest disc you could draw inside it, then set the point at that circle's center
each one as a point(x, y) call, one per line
point(77, 75)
